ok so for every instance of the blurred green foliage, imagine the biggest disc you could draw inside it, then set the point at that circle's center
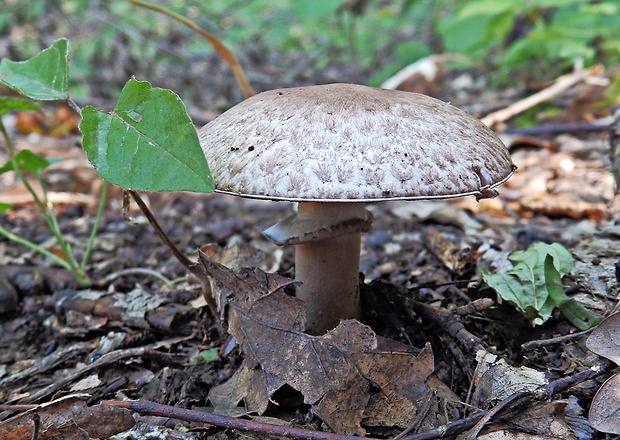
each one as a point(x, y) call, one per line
point(538, 38)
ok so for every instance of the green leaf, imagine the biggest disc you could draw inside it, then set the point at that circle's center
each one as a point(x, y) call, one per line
point(576, 314)
point(534, 277)
point(15, 105)
point(148, 143)
point(210, 355)
point(28, 161)
point(4, 207)
point(43, 77)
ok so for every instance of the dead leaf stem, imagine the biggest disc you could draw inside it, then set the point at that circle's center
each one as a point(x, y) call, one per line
point(532, 345)
point(180, 256)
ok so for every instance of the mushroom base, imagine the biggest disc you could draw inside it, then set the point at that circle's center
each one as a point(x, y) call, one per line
point(329, 271)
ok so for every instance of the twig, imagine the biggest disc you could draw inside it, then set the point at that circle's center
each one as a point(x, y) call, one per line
point(36, 420)
point(517, 399)
point(563, 83)
point(16, 408)
point(571, 127)
point(154, 409)
point(41, 365)
point(530, 345)
point(137, 271)
point(105, 360)
point(449, 322)
point(422, 412)
point(614, 148)
point(512, 402)
point(428, 67)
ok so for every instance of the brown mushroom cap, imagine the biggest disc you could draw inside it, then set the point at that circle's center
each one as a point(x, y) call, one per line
point(347, 142)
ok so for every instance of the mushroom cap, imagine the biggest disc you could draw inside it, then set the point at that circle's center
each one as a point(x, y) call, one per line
point(348, 142)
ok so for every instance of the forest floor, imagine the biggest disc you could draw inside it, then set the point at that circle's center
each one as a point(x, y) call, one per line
point(445, 349)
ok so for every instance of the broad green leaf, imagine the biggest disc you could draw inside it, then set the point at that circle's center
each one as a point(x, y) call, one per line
point(535, 275)
point(28, 161)
point(148, 143)
point(576, 314)
point(43, 77)
point(4, 207)
point(15, 105)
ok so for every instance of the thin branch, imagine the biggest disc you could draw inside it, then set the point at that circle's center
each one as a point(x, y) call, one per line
point(531, 345)
point(154, 409)
point(513, 402)
point(563, 83)
point(449, 321)
point(137, 271)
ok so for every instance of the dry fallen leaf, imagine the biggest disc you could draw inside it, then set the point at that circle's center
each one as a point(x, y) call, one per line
point(495, 380)
point(349, 375)
point(605, 408)
point(605, 339)
point(545, 421)
point(604, 413)
point(69, 418)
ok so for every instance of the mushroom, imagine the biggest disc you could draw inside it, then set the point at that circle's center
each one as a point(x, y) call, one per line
point(333, 148)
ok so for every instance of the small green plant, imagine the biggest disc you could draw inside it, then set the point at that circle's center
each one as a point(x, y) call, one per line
point(44, 77)
point(147, 143)
point(534, 285)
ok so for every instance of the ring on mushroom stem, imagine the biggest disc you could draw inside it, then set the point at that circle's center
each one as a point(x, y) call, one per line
point(333, 148)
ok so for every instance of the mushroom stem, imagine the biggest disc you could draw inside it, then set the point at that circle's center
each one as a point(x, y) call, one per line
point(327, 262)
point(327, 236)
point(329, 271)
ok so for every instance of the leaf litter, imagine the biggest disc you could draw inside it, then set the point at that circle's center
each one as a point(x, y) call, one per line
point(361, 380)
point(347, 376)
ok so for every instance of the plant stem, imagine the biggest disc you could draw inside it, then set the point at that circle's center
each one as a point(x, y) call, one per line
point(54, 226)
point(47, 211)
point(35, 247)
point(19, 172)
point(89, 246)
